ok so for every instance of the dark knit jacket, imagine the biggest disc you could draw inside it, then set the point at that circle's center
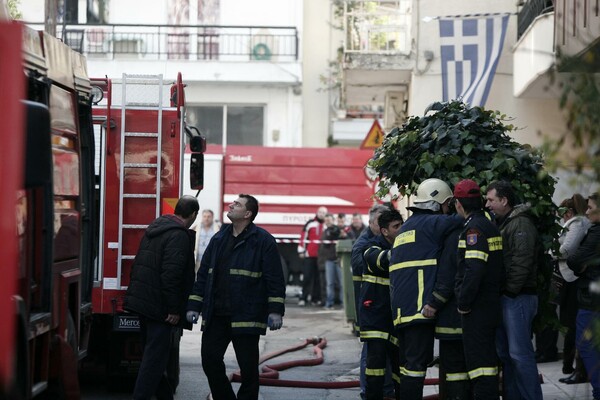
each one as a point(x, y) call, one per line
point(162, 274)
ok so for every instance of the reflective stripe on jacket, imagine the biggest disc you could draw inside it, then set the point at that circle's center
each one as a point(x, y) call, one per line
point(480, 265)
point(414, 261)
point(374, 302)
point(257, 286)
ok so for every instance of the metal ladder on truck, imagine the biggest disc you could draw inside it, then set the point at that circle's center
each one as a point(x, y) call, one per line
point(127, 103)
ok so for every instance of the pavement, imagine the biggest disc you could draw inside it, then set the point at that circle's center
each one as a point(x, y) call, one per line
point(341, 357)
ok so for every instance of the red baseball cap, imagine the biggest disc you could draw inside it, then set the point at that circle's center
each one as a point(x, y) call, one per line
point(467, 188)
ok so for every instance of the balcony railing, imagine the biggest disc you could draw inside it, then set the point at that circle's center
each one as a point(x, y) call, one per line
point(183, 42)
point(530, 11)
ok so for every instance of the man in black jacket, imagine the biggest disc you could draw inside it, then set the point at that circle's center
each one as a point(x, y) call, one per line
point(240, 291)
point(161, 281)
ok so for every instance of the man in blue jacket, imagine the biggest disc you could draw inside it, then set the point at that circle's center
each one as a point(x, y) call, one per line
point(161, 280)
point(239, 291)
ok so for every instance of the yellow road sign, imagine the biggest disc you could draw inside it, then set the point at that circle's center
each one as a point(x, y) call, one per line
point(374, 138)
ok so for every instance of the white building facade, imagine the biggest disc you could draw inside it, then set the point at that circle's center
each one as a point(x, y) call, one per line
point(313, 73)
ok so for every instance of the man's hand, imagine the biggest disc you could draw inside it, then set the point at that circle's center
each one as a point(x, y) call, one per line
point(301, 255)
point(192, 316)
point(428, 311)
point(275, 321)
point(172, 319)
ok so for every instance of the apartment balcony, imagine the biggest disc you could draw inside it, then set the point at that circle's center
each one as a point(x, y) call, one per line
point(534, 51)
point(252, 54)
point(577, 33)
point(377, 61)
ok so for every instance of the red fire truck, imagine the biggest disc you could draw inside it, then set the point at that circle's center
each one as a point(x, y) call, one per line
point(290, 184)
point(80, 184)
point(140, 139)
point(11, 155)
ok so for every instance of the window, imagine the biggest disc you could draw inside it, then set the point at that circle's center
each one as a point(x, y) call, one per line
point(244, 124)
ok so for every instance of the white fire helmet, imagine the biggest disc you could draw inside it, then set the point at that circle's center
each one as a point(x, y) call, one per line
point(433, 189)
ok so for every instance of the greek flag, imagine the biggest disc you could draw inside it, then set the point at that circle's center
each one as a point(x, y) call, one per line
point(470, 49)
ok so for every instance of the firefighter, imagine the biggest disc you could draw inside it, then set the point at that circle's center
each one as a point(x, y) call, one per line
point(413, 268)
point(240, 291)
point(357, 262)
point(376, 326)
point(448, 331)
point(478, 283)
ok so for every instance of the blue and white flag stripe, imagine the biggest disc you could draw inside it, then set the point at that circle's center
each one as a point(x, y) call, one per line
point(470, 49)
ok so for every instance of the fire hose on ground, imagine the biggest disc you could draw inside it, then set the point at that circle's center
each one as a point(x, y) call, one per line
point(270, 373)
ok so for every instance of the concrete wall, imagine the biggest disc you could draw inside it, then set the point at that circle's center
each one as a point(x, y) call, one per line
point(318, 48)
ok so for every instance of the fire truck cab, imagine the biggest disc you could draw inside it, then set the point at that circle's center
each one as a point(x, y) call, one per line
point(88, 166)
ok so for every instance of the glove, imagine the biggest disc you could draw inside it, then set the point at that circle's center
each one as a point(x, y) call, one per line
point(192, 316)
point(275, 321)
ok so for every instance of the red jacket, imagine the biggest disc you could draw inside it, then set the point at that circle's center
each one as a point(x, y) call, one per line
point(310, 238)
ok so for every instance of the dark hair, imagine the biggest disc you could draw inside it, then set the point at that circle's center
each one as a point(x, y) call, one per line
point(329, 215)
point(251, 204)
point(357, 215)
point(576, 204)
point(470, 204)
point(376, 209)
point(186, 206)
point(341, 215)
point(595, 197)
point(504, 189)
point(387, 217)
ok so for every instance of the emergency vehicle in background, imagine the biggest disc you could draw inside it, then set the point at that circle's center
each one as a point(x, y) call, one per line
point(290, 184)
point(89, 180)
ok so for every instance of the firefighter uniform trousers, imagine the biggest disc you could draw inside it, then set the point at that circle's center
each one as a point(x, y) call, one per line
point(455, 384)
point(376, 326)
point(478, 283)
point(413, 268)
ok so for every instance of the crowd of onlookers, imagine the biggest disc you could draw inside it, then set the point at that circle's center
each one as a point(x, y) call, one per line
point(322, 271)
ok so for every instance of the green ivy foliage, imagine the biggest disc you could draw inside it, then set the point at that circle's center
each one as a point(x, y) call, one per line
point(453, 142)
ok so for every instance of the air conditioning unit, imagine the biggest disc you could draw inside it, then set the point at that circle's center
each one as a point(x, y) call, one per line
point(394, 109)
point(264, 45)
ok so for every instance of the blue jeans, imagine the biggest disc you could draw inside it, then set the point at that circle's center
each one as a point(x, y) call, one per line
point(333, 277)
point(515, 348)
point(590, 354)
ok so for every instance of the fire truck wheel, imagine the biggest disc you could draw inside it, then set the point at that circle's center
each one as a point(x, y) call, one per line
point(173, 366)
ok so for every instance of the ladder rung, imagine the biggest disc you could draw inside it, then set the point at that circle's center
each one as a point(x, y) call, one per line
point(141, 134)
point(127, 257)
point(139, 196)
point(132, 226)
point(140, 165)
point(141, 76)
point(99, 118)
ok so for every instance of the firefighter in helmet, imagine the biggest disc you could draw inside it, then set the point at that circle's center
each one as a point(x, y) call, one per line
point(413, 268)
